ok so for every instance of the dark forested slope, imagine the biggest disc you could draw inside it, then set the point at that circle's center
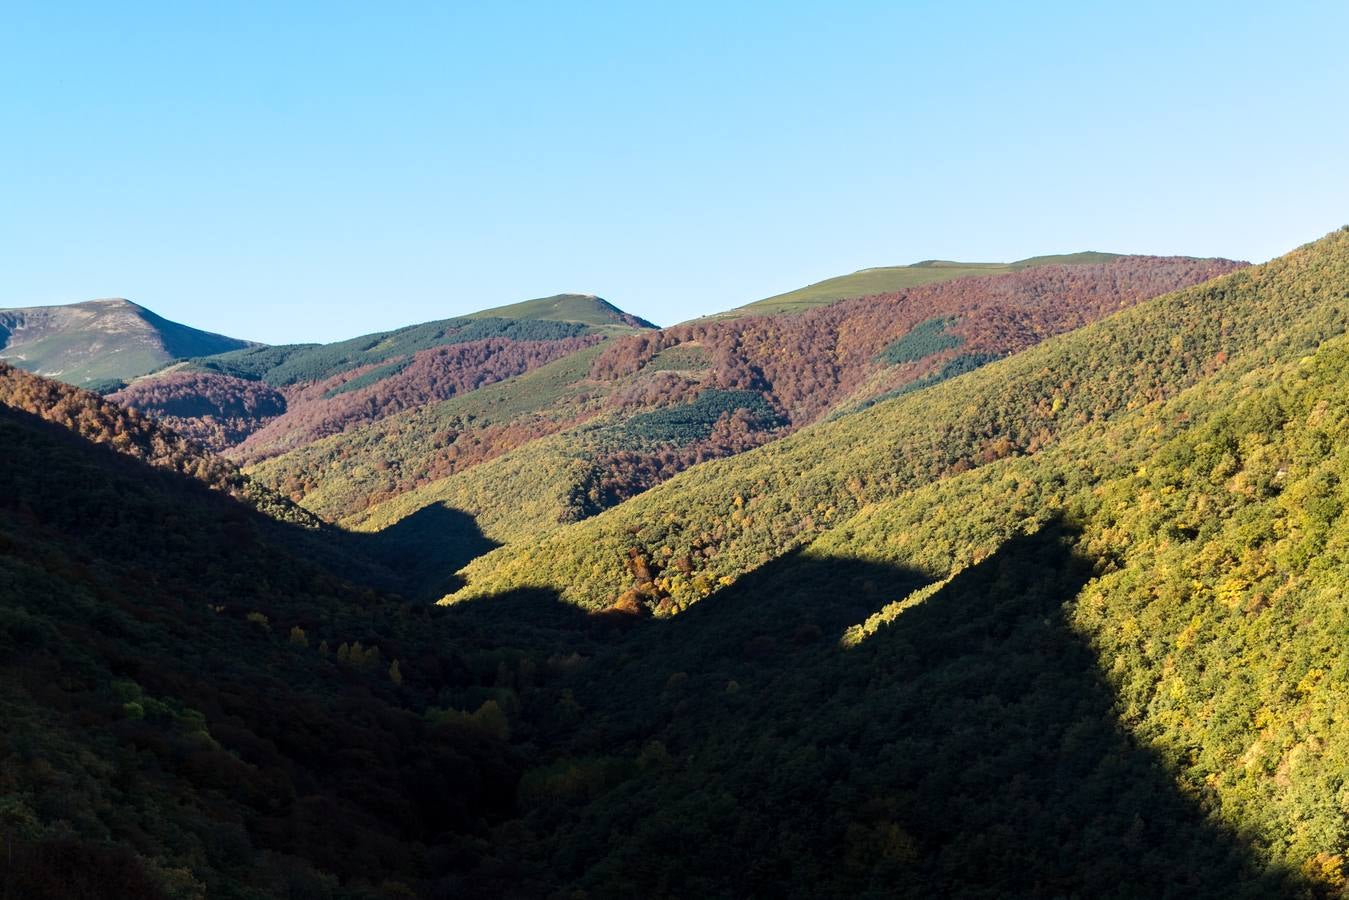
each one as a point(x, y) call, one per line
point(192, 709)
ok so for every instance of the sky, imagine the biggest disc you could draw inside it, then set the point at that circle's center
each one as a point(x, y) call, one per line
point(314, 171)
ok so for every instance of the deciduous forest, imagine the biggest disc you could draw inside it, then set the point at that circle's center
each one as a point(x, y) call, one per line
point(1014, 585)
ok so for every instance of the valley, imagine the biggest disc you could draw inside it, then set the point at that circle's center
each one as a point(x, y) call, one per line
point(1013, 584)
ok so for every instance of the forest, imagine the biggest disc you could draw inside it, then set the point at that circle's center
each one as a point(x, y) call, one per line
point(1064, 623)
point(807, 451)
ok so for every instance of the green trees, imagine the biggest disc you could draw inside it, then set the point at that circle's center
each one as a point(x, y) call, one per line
point(923, 340)
point(1068, 625)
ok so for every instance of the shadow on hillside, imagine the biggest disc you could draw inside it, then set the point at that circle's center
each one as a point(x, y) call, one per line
point(425, 549)
point(416, 557)
point(970, 748)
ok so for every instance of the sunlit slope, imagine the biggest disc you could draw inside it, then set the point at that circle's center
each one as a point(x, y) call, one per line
point(1216, 527)
point(261, 402)
point(680, 541)
point(100, 342)
point(1151, 609)
point(884, 279)
point(515, 497)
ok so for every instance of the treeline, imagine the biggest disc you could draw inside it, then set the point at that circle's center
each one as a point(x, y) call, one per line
point(303, 363)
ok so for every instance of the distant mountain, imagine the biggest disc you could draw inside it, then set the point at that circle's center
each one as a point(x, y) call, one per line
point(584, 308)
point(885, 279)
point(275, 398)
point(100, 342)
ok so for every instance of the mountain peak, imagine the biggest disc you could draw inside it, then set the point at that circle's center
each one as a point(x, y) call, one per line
point(95, 343)
point(588, 309)
point(109, 301)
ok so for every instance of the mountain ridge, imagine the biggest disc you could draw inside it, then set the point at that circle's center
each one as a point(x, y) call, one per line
point(97, 343)
point(263, 400)
point(884, 279)
point(621, 441)
point(588, 309)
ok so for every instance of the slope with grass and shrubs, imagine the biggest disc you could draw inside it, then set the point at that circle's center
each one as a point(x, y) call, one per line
point(100, 344)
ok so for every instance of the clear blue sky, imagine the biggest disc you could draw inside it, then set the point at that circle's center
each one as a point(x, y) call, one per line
point(311, 171)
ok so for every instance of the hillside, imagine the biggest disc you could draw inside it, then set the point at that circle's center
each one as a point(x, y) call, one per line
point(192, 706)
point(886, 279)
point(1067, 625)
point(99, 343)
point(652, 404)
point(1098, 585)
point(294, 411)
point(718, 521)
point(266, 400)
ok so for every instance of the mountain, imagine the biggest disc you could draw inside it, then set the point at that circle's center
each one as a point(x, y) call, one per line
point(584, 434)
point(723, 519)
point(1096, 583)
point(584, 308)
point(1068, 624)
point(100, 342)
point(887, 279)
point(266, 400)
